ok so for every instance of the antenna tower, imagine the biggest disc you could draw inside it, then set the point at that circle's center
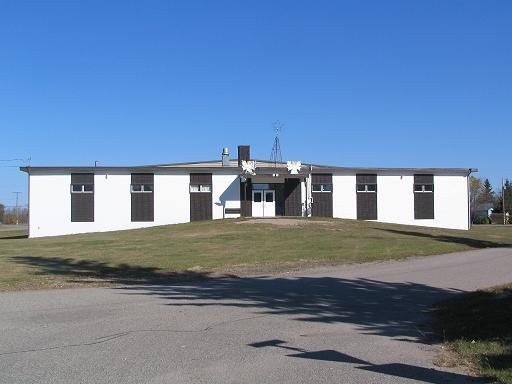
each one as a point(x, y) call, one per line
point(275, 155)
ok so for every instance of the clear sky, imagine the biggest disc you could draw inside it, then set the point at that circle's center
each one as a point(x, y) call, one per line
point(354, 83)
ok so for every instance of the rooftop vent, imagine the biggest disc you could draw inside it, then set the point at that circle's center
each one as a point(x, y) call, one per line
point(225, 157)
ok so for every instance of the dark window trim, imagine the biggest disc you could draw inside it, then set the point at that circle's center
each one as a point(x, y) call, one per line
point(322, 188)
point(142, 188)
point(82, 189)
point(200, 188)
point(423, 189)
point(366, 189)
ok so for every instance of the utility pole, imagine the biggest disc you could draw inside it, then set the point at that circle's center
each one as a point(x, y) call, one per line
point(16, 209)
point(503, 200)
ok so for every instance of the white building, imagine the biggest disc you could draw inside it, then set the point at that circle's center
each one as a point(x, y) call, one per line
point(67, 200)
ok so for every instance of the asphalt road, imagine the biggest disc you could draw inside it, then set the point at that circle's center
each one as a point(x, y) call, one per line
point(364, 323)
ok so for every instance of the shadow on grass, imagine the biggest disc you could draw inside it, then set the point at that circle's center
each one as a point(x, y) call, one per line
point(480, 324)
point(78, 270)
point(14, 237)
point(470, 242)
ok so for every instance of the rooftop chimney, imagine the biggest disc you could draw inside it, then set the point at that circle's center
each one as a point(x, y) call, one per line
point(225, 157)
point(244, 153)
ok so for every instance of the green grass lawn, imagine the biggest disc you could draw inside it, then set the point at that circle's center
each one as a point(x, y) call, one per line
point(195, 249)
point(477, 328)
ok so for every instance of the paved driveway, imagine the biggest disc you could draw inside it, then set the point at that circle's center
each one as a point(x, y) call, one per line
point(363, 323)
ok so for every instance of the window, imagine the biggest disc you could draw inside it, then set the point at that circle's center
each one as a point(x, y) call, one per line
point(82, 197)
point(269, 197)
point(366, 196)
point(198, 188)
point(142, 197)
point(322, 187)
point(261, 186)
point(423, 188)
point(366, 188)
point(141, 188)
point(201, 199)
point(423, 196)
point(257, 197)
point(82, 188)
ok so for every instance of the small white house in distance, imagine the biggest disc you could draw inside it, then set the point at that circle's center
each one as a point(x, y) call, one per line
point(68, 200)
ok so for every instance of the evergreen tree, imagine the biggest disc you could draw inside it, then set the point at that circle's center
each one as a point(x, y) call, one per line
point(507, 191)
point(487, 192)
point(508, 196)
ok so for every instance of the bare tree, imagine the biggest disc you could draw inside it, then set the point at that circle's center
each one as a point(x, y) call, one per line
point(475, 185)
point(2, 212)
point(11, 216)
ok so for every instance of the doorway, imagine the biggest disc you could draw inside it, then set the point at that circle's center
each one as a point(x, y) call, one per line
point(263, 203)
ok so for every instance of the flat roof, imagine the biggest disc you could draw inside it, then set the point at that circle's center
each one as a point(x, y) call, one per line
point(262, 165)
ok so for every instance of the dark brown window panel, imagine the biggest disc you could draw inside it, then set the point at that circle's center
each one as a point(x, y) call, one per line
point(367, 206)
point(201, 178)
point(321, 178)
point(82, 204)
point(423, 197)
point(322, 200)
point(366, 187)
point(366, 178)
point(143, 204)
point(143, 178)
point(201, 202)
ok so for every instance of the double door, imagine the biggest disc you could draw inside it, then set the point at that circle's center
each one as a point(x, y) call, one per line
point(263, 203)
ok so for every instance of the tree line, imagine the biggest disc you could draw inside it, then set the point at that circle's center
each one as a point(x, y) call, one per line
point(484, 197)
point(11, 215)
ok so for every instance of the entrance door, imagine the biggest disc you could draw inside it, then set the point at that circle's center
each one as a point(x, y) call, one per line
point(257, 203)
point(263, 203)
point(269, 207)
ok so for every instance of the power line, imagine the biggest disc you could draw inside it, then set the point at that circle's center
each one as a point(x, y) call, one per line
point(26, 161)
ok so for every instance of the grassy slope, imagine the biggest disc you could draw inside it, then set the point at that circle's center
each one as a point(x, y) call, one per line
point(478, 328)
point(155, 253)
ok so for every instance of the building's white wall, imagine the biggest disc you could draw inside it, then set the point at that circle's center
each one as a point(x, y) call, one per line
point(451, 202)
point(50, 203)
point(225, 194)
point(344, 196)
point(395, 200)
point(172, 198)
point(50, 200)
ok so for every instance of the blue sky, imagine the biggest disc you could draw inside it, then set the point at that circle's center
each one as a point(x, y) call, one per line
point(354, 83)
